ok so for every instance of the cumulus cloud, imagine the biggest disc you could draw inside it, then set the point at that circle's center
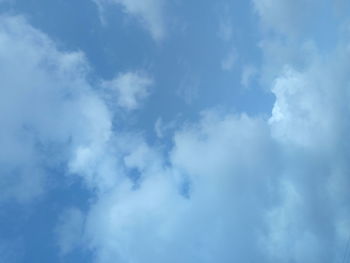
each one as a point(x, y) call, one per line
point(309, 121)
point(157, 220)
point(129, 89)
point(148, 12)
point(232, 188)
point(51, 114)
point(235, 188)
point(25, 52)
point(256, 190)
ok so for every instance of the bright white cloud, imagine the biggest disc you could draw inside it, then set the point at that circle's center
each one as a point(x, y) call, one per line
point(148, 12)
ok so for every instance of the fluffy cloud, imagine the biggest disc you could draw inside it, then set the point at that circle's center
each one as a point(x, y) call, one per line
point(148, 12)
point(238, 188)
point(219, 216)
point(129, 89)
point(310, 120)
point(231, 188)
point(51, 113)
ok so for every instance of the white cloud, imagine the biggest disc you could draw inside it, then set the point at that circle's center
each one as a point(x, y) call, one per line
point(233, 187)
point(237, 188)
point(130, 89)
point(162, 128)
point(308, 120)
point(227, 197)
point(50, 113)
point(148, 12)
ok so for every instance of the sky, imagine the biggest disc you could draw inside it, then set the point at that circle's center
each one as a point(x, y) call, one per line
point(157, 131)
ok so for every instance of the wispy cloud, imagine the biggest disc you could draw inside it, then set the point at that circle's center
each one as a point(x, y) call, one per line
point(149, 13)
point(230, 60)
point(129, 89)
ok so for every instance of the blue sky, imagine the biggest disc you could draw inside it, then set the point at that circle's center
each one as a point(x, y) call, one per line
point(174, 131)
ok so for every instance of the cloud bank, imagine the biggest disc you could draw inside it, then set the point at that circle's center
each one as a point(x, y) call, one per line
point(231, 188)
point(236, 188)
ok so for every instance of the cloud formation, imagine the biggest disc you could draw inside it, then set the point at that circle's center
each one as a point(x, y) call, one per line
point(129, 89)
point(52, 115)
point(148, 12)
point(237, 188)
point(240, 188)
point(231, 188)
point(285, 16)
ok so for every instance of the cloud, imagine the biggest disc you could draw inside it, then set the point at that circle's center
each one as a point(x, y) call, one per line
point(130, 89)
point(225, 31)
point(148, 12)
point(231, 188)
point(256, 190)
point(240, 188)
point(308, 120)
point(221, 219)
point(155, 221)
point(309, 216)
point(51, 114)
point(287, 17)
point(54, 118)
point(162, 128)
